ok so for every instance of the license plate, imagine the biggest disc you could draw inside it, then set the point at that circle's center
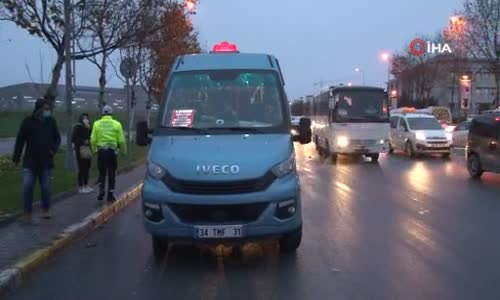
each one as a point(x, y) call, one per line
point(218, 232)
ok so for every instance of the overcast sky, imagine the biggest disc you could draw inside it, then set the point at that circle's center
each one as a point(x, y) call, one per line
point(314, 40)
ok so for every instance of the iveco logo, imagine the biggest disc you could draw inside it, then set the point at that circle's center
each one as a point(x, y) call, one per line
point(218, 169)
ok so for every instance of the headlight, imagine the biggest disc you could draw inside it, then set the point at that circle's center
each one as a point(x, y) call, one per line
point(450, 128)
point(294, 132)
point(285, 167)
point(155, 171)
point(449, 136)
point(342, 141)
point(420, 136)
point(382, 142)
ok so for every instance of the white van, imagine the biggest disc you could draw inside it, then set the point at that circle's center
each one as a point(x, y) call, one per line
point(419, 134)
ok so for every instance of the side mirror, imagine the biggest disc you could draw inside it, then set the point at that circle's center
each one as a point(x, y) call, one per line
point(305, 132)
point(142, 134)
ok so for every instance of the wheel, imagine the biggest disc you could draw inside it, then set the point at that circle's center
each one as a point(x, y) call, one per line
point(474, 166)
point(334, 157)
point(391, 150)
point(291, 241)
point(409, 149)
point(446, 155)
point(374, 157)
point(160, 247)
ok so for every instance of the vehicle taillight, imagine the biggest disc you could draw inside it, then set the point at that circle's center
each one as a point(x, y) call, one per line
point(225, 47)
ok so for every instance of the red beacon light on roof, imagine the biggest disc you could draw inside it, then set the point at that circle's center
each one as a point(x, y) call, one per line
point(225, 47)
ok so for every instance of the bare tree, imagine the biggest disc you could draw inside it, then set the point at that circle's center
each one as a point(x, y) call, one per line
point(482, 36)
point(45, 19)
point(418, 74)
point(111, 25)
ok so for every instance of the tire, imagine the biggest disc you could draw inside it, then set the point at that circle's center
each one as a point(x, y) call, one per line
point(446, 155)
point(409, 149)
point(391, 150)
point(160, 247)
point(316, 144)
point(374, 157)
point(290, 242)
point(474, 166)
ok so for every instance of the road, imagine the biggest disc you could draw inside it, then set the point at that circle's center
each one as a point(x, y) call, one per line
point(403, 229)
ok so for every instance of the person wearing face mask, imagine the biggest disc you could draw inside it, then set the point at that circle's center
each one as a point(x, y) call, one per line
point(39, 137)
point(81, 145)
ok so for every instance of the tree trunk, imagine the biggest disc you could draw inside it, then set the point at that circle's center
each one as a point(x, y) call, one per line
point(51, 93)
point(496, 102)
point(148, 109)
point(452, 99)
point(102, 82)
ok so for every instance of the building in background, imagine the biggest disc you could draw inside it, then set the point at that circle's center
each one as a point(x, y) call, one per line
point(21, 97)
point(440, 80)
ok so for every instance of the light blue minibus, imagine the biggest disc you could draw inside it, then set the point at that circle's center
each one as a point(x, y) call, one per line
point(221, 165)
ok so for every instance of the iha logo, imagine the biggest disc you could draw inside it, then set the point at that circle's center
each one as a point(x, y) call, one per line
point(419, 47)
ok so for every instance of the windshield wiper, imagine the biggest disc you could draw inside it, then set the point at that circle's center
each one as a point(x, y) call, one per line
point(238, 129)
point(197, 130)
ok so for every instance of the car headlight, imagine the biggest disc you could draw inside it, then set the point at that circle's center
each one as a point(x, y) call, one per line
point(420, 136)
point(294, 132)
point(155, 171)
point(285, 167)
point(342, 141)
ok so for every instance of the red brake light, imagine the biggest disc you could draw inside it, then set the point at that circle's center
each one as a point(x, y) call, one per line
point(225, 47)
point(497, 119)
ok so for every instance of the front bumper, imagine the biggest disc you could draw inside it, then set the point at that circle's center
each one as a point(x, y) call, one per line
point(255, 212)
point(362, 149)
point(424, 147)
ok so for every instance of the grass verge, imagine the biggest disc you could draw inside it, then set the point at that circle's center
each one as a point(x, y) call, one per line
point(62, 180)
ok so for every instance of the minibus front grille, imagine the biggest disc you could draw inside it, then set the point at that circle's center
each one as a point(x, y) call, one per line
point(219, 187)
point(218, 214)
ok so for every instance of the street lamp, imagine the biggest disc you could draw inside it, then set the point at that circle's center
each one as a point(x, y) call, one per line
point(358, 70)
point(190, 6)
point(386, 57)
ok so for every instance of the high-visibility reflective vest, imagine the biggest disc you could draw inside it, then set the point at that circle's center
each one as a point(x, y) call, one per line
point(108, 133)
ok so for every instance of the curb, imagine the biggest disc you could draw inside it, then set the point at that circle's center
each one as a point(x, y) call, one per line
point(12, 278)
point(12, 217)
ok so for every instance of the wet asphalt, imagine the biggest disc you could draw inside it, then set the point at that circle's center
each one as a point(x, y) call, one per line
point(401, 229)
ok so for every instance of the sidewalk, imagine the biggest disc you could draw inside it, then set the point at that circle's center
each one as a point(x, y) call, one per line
point(18, 240)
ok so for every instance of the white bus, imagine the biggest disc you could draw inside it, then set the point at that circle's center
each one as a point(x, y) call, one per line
point(352, 121)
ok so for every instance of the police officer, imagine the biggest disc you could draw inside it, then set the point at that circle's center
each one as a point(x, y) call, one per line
point(106, 139)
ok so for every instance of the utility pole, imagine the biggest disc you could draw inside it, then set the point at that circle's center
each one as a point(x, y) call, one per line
point(69, 158)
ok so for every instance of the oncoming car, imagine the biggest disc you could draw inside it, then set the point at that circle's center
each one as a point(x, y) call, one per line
point(295, 127)
point(419, 134)
point(221, 166)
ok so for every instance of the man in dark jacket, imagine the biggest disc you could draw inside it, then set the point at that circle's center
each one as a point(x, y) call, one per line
point(40, 134)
